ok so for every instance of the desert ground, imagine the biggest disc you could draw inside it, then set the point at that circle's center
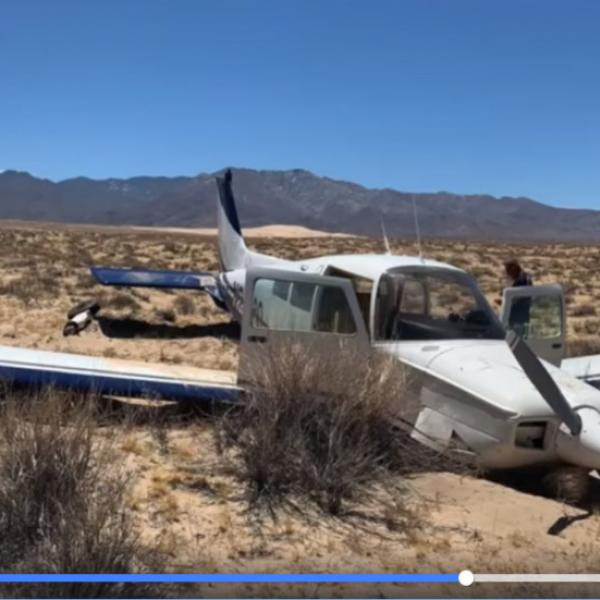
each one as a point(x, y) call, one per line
point(194, 511)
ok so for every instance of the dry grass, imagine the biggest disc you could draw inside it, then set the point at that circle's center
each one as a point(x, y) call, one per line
point(43, 272)
point(184, 305)
point(197, 512)
point(62, 499)
point(333, 448)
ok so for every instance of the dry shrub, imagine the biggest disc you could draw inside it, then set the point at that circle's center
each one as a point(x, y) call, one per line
point(166, 314)
point(331, 448)
point(123, 301)
point(32, 287)
point(62, 500)
point(184, 305)
point(591, 326)
point(583, 347)
point(84, 281)
point(583, 310)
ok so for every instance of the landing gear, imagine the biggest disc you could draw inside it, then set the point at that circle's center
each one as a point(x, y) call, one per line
point(80, 317)
point(567, 483)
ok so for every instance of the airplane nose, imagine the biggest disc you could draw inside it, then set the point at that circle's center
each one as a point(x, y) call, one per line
point(583, 449)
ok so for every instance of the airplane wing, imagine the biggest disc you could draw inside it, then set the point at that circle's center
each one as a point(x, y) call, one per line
point(586, 368)
point(90, 374)
point(184, 280)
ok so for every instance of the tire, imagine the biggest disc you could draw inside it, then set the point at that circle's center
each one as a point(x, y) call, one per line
point(568, 484)
point(70, 329)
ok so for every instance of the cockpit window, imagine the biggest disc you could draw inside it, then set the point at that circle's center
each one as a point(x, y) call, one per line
point(433, 304)
point(449, 297)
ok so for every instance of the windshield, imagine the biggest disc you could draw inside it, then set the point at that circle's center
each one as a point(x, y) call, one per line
point(424, 303)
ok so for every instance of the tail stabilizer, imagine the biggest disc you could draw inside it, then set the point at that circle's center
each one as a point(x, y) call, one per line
point(233, 253)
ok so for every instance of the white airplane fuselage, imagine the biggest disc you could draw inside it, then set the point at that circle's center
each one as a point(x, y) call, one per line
point(473, 393)
point(481, 387)
point(477, 389)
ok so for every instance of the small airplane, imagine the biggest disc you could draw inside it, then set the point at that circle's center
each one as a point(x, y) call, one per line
point(496, 386)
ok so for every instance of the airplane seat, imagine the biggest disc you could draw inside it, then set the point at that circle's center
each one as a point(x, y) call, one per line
point(393, 324)
point(333, 314)
point(335, 322)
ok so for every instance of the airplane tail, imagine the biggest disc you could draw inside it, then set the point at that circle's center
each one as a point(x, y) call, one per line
point(233, 253)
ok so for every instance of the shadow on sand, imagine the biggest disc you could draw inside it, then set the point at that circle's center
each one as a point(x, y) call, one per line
point(530, 482)
point(132, 328)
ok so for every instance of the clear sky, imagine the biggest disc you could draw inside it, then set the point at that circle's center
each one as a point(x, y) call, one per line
point(467, 96)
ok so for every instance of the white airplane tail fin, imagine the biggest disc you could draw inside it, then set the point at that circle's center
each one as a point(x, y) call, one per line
point(233, 253)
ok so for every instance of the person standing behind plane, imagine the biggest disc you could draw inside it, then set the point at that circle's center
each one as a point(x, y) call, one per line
point(516, 274)
point(519, 313)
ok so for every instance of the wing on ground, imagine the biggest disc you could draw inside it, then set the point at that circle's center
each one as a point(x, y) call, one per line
point(91, 374)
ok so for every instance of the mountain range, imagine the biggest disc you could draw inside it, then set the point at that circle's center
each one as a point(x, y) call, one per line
point(296, 197)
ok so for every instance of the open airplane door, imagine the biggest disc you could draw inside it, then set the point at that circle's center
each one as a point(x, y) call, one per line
point(537, 314)
point(282, 308)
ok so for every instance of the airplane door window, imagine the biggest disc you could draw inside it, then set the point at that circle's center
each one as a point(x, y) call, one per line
point(308, 307)
point(539, 317)
point(333, 314)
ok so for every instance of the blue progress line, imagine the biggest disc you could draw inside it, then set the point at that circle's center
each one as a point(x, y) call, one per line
point(228, 578)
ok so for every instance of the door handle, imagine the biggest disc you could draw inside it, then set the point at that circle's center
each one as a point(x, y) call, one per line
point(557, 345)
point(257, 339)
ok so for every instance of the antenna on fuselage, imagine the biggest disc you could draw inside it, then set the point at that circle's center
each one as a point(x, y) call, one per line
point(418, 231)
point(386, 242)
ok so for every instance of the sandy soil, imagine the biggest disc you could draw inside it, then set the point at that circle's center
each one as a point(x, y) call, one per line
point(452, 523)
point(196, 512)
point(278, 231)
point(264, 231)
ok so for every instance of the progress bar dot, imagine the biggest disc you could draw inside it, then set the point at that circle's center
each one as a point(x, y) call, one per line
point(466, 578)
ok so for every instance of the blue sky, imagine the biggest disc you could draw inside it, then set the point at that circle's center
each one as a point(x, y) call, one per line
point(466, 96)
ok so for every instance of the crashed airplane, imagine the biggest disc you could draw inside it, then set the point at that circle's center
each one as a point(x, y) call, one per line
point(498, 386)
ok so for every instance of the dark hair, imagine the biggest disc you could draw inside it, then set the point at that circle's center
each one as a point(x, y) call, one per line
point(512, 263)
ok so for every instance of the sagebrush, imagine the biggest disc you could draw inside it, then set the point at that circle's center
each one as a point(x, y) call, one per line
point(62, 498)
point(329, 427)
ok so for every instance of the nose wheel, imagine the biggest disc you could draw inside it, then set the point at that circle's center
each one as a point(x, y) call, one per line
point(567, 483)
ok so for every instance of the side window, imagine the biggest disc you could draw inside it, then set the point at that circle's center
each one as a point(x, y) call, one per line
point(333, 314)
point(302, 295)
point(282, 289)
point(413, 298)
point(539, 317)
point(269, 309)
point(300, 306)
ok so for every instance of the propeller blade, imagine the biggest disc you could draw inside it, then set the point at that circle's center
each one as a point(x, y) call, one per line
point(543, 382)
